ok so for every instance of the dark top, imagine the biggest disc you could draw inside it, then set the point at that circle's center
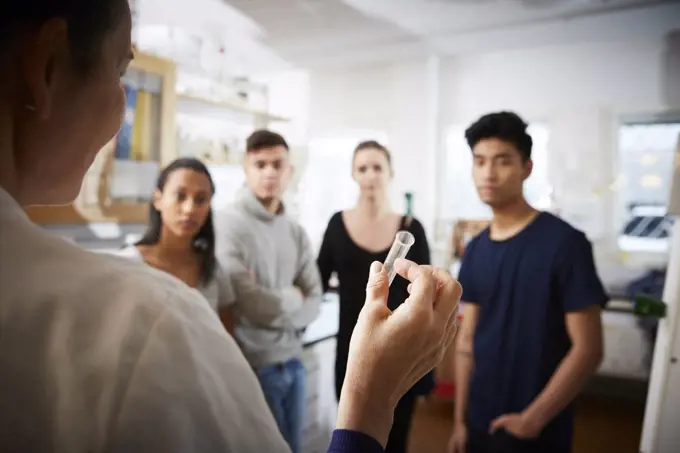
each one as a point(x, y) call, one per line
point(340, 254)
point(345, 441)
point(524, 286)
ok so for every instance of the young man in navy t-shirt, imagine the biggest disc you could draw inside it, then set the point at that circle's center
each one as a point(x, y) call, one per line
point(531, 334)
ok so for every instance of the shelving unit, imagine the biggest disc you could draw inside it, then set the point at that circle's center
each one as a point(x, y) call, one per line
point(215, 129)
point(165, 125)
point(186, 101)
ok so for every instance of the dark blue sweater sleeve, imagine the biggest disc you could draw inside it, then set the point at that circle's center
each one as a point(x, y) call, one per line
point(345, 441)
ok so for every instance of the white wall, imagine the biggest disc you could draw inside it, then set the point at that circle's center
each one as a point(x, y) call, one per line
point(543, 81)
point(580, 91)
point(288, 97)
point(391, 98)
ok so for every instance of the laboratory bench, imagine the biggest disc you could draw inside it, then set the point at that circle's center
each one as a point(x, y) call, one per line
point(318, 358)
point(326, 325)
point(628, 338)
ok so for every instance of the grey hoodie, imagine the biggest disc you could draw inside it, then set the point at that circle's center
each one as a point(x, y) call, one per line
point(266, 256)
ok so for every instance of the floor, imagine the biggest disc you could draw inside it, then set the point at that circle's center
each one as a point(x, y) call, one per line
point(602, 424)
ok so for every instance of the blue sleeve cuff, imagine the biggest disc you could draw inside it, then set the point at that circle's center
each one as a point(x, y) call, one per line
point(346, 441)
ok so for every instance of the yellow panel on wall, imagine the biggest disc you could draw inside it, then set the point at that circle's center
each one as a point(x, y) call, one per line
point(141, 131)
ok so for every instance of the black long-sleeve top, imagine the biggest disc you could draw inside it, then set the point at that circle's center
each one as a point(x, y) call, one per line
point(351, 263)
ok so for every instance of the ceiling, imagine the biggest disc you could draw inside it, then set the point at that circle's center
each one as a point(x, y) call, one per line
point(245, 36)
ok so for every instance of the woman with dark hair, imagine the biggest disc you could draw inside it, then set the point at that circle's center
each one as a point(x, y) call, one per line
point(103, 354)
point(180, 237)
point(352, 241)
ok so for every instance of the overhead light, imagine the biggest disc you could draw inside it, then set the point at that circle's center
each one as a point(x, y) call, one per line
point(648, 159)
point(651, 181)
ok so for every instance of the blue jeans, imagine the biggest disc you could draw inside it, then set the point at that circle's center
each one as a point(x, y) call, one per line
point(284, 389)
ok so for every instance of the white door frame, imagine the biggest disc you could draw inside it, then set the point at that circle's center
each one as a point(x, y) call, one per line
point(660, 430)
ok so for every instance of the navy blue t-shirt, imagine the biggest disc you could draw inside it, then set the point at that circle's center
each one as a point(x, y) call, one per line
point(524, 286)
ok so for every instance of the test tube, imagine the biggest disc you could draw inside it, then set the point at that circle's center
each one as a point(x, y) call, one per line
point(400, 247)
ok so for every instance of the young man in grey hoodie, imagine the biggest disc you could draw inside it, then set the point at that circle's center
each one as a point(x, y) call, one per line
point(272, 267)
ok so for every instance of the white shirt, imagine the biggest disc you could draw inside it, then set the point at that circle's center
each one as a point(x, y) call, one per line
point(103, 354)
point(217, 291)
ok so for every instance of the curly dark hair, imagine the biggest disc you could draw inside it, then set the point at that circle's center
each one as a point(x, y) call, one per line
point(506, 126)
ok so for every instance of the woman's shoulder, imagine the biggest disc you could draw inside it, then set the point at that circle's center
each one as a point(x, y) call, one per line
point(130, 252)
point(335, 221)
point(412, 223)
point(337, 217)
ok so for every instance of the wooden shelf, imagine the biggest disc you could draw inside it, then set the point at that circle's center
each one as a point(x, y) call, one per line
point(230, 106)
point(70, 215)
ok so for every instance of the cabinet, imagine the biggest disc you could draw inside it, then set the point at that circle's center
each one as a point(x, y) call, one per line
point(321, 406)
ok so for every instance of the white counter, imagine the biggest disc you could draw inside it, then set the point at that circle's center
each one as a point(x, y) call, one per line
point(326, 325)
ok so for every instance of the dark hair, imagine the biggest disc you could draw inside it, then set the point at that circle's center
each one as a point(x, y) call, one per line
point(506, 126)
point(204, 241)
point(372, 144)
point(264, 138)
point(89, 22)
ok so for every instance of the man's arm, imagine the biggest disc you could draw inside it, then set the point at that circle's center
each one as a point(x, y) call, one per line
point(225, 299)
point(582, 360)
point(309, 282)
point(465, 362)
point(226, 315)
point(263, 307)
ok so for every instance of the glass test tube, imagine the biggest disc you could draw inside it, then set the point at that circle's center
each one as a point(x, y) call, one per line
point(400, 247)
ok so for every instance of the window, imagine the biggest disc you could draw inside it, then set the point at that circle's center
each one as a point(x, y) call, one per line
point(459, 198)
point(327, 185)
point(646, 159)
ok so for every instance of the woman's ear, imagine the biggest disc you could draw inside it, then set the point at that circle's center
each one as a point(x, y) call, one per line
point(157, 196)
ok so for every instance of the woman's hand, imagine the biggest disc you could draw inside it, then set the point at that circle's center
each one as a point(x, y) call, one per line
point(458, 441)
point(390, 351)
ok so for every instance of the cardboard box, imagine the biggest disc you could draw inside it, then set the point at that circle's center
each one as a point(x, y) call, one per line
point(463, 231)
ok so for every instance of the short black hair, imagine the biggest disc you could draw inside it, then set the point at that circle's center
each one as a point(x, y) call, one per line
point(506, 126)
point(89, 23)
point(264, 138)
